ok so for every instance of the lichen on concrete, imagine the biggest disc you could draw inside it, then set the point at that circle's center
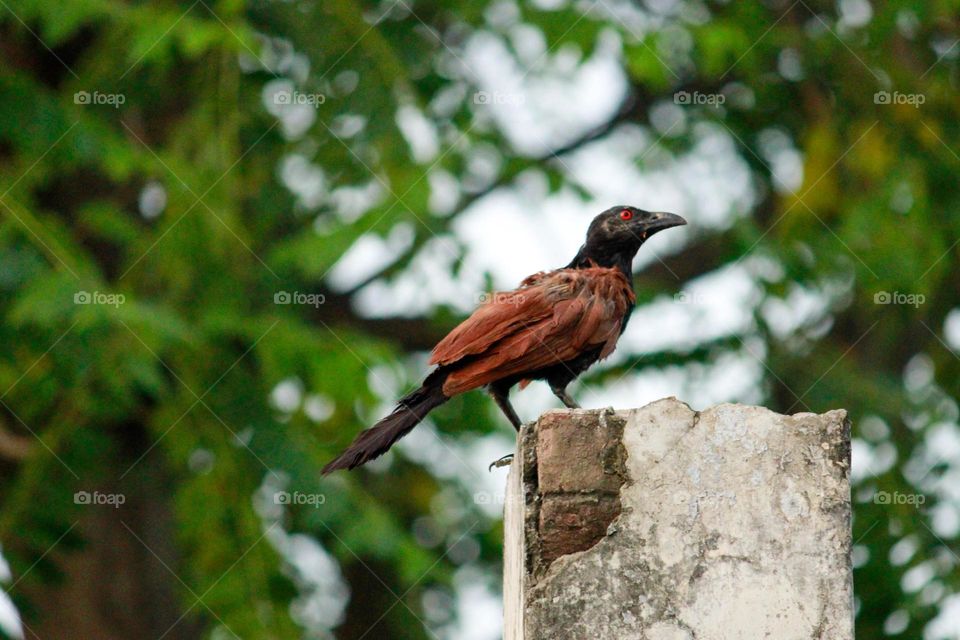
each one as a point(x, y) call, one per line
point(733, 523)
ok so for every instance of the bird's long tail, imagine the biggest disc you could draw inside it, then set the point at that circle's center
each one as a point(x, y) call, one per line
point(375, 441)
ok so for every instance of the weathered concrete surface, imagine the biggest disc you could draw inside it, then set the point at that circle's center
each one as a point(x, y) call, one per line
point(662, 523)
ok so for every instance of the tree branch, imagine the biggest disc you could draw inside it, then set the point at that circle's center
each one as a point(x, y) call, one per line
point(14, 446)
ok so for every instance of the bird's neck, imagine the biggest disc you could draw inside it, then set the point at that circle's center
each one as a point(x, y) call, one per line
point(621, 259)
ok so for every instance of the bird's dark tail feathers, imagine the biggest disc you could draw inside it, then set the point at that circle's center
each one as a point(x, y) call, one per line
point(374, 442)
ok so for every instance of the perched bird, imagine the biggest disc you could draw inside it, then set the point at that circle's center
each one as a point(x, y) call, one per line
point(553, 327)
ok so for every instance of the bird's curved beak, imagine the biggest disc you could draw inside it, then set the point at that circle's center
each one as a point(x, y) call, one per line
point(662, 220)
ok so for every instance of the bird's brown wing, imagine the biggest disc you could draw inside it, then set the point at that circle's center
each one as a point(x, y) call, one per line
point(552, 318)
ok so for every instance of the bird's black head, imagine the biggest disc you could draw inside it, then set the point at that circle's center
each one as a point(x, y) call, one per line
point(615, 236)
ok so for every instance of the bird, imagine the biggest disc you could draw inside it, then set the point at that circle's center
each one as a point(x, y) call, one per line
point(553, 327)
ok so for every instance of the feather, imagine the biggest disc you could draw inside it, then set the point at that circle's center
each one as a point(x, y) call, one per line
point(551, 318)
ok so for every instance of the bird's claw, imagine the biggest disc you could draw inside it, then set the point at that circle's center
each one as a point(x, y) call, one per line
point(502, 462)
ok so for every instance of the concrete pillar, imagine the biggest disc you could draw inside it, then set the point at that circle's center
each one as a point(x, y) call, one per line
point(663, 523)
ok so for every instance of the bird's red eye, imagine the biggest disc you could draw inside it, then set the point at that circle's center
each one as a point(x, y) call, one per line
point(626, 214)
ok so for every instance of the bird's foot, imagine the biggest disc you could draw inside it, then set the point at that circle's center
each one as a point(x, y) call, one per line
point(502, 462)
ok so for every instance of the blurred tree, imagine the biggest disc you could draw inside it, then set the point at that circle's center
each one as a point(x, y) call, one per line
point(178, 179)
